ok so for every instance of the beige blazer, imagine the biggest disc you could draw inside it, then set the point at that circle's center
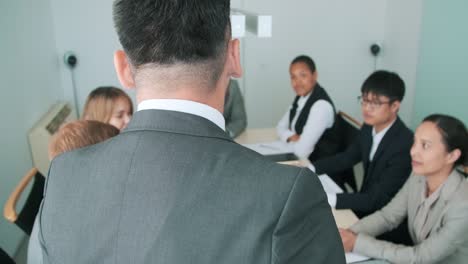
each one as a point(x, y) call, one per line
point(445, 242)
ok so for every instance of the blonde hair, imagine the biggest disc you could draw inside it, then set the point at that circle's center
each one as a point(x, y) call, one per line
point(78, 134)
point(101, 102)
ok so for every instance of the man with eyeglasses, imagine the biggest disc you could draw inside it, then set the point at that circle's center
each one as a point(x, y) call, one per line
point(382, 145)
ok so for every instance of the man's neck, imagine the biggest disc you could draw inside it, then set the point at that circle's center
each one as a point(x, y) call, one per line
point(184, 82)
point(382, 126)
point(211, 101)
point(213, 98)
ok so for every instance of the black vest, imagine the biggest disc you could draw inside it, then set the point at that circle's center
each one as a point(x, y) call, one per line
point(329, 142)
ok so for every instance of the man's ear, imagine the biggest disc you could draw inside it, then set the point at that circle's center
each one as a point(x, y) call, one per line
point(123, 70)
point(233, 59)
point(395, 106)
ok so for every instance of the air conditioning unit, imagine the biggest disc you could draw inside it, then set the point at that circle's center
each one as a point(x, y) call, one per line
point(41, 133)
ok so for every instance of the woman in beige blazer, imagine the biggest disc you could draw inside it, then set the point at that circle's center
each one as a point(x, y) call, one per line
point(434, 198)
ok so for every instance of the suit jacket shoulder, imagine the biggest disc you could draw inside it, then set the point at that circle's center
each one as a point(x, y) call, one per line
point(174, 186)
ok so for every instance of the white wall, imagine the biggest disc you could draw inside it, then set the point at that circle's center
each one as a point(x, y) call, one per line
point(401, 47)
point(86, 28)
point(30, 84)
point(336, 34)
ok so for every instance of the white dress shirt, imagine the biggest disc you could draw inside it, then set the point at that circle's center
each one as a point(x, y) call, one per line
point(320, 118)
point(377, 138)
point(185, 106)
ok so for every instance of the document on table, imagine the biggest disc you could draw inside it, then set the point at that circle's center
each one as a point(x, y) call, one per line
point(353, 257)
point(344, 218)
point(271, 148)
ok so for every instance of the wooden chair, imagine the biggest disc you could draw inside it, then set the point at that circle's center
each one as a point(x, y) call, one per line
point(350, 119)
point(25, 218)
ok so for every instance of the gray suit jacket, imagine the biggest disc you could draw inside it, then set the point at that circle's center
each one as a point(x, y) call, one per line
point(446, 239)
point(174, 188)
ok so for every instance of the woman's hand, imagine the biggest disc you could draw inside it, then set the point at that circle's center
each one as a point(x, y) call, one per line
point(293, 138)
point(348, 238)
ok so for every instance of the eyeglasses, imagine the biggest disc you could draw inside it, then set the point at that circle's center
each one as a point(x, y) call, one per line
point(371, 104)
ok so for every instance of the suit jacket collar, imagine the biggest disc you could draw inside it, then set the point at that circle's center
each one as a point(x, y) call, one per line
point(388, 138)
point(451, 185)
point(175, 122)
point(185, 106)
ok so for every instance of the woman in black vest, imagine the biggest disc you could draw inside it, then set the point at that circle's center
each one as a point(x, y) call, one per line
point(309, 123)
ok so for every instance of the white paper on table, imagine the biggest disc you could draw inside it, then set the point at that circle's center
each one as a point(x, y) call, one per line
point(271, 148)
point(329, 185)
point(354, 257)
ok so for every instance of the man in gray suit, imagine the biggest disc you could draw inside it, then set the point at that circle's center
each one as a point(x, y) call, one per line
point(173, 187)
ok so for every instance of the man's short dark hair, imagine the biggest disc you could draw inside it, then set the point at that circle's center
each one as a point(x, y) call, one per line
point(166, 32)
point(384, 83)
point(307, 60)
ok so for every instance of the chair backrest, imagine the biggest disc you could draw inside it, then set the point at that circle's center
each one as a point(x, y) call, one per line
point(25, 218)
point(348, 127)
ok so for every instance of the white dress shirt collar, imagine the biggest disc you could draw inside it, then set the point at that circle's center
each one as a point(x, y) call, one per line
point(377, 138)
point(300, 105)
point(381, 134)
point(303, 99)
point(185, 106)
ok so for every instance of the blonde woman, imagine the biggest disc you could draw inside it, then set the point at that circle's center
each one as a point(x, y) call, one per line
point(109, 105)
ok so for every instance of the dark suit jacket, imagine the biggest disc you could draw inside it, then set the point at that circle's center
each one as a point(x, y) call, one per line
point(383, 177)
point(174, 188)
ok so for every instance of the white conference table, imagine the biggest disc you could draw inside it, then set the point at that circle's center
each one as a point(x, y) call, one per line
point(257, 135)
point(343, 218)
